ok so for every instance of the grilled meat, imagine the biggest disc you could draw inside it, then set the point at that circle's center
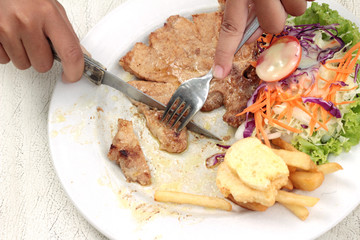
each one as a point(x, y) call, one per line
point(125, 150)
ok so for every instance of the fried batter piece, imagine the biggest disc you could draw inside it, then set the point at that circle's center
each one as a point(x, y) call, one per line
point(125, 150)
point(183, 49)
point(251, 174)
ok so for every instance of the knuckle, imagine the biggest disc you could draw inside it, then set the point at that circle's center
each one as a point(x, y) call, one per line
point(230, 28)
point(73, 54)
point(47, 7)
point(23, 19)
point(4, 31)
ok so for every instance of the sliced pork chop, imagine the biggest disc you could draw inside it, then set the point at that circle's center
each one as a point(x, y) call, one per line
point(145, 63)
point(183, 49)
point(180, 49)
point(125, 150)
point(236, 89)
point(160, 91)
point(169, 140)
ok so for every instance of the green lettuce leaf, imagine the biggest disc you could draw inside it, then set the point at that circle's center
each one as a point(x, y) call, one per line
point(322, 14)
point(320, 151)
point(350, 136)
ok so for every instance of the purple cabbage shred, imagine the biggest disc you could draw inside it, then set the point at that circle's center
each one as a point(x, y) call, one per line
point(327, 105)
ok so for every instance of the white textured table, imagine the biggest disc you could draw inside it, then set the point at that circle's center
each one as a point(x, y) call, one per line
point(33, 204)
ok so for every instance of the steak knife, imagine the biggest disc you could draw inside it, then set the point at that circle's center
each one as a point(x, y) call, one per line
point(98, 74)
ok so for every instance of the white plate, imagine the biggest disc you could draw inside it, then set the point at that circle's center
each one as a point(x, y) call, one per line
point(82, 122)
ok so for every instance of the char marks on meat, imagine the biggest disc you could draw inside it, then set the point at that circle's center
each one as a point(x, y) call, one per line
point(236, 89)
point(183, 49)
point(125, 150)
point(169, 140)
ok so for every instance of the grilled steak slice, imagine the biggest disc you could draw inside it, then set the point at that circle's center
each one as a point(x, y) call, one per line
point(125, 150)
point(160, 91)
point(236, 89)
point(183, 49)
point(169, 140)
point(145, 63)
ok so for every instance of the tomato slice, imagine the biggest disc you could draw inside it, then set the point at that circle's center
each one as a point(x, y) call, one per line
point(280, 60)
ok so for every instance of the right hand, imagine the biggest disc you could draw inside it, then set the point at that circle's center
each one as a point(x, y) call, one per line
point(25, 28)
point(272, 15)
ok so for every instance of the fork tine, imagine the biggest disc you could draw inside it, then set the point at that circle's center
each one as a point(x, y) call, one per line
point(186, 107)
point(169, 106)
point(175, 111)
point(187, 119)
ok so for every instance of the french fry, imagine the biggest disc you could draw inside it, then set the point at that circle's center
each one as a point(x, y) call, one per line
point(283, 144)
point(296, 159)
point(291, 169)
point(284, 197)
point(289, 185)
point(329, 168)
point(253, 206)
point(307, 181)
point(299, 211)
point(187, 198)
point(249, 205)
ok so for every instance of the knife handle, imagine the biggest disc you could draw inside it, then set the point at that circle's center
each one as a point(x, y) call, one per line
point(93, 70)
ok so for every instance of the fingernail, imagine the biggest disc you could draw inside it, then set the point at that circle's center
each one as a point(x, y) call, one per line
point(218, 72)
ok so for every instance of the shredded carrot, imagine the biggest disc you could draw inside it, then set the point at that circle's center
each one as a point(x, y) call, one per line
point(274, 95)
point(283, 125)
point(259, 122)
point(345, 102)
point(253, 63)
point(284, 112)
point(313, 119)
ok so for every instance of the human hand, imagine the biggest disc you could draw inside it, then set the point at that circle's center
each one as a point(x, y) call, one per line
point(272, 15)
point(25, 29)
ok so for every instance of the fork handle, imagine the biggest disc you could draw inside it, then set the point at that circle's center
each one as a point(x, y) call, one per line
point(93, 70)
point(248, 32)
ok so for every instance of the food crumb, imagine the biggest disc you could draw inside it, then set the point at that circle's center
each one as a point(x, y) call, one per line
point(226, 138)
point(54, 133)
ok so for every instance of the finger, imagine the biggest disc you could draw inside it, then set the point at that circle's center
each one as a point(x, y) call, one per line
point(4, 58)
point(38, 50)
point(16, 52)
point(231, 32)
point(67, 46)
point(294, 7)
point(271, 15)
point(255, 35)
point(65, 17)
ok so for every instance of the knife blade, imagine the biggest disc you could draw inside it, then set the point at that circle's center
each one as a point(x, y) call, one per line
point(134, 93)
point(98, 74)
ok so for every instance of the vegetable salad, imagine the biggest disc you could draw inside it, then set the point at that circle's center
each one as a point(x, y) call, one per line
point(317, 107)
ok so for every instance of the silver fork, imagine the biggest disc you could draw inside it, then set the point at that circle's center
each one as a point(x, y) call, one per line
point(191, 95)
